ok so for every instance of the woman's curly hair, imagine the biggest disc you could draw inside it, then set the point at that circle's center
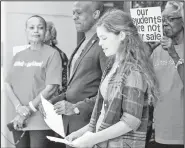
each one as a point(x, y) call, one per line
point(132, 51)
point(51, 34)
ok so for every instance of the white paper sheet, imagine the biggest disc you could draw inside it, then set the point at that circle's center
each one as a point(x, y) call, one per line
point(53, 120)
point(60, 140)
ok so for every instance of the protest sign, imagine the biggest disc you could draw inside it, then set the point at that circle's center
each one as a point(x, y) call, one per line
point(148, 22)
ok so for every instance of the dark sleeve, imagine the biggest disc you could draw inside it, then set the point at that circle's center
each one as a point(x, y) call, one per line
point(54, 70)
point(86, 107)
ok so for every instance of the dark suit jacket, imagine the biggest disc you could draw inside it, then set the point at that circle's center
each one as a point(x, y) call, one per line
point(84, 83)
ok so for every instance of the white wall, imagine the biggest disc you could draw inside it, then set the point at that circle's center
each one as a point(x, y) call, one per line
point(13, 23)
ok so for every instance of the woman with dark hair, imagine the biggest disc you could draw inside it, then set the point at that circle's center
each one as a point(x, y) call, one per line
point(35, 72)
point(120, 114)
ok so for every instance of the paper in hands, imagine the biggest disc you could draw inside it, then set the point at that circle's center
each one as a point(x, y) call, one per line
point(60, 140)
point(53, 120)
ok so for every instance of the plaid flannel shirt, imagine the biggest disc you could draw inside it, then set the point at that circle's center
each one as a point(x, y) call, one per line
point(130, 103)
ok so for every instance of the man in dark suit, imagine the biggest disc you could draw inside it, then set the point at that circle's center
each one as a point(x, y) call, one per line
point(84, 70)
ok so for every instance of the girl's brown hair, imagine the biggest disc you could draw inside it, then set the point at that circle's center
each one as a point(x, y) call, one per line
point(131, 52)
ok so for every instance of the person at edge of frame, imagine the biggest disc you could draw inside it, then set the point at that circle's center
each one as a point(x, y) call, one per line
point(35, 72)
point(168, 61)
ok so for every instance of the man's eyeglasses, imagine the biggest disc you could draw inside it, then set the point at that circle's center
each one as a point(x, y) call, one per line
point(170, 19)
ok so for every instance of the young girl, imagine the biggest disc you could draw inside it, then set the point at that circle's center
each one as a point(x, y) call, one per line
point(120, 114)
